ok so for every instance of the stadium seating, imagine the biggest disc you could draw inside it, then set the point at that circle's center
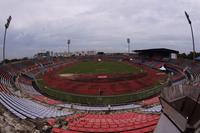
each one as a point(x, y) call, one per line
point(5, 77)
point(118, 122)
point(19, 106)
point(27, 108)
point(4, 88)
point(28, 89)
point(142, 130)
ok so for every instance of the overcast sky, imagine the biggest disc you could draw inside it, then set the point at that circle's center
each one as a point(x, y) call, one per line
point(101, 25)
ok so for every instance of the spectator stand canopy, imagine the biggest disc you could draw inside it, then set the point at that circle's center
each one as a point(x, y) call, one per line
point(158, 53)
point(197, 58)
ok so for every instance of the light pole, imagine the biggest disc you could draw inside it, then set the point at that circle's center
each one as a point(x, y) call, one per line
point(68, 43)
point(189, 21)
point(4, 40)
point(128, 41)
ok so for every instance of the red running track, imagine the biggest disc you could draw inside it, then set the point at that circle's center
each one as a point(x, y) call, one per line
point(52, 79)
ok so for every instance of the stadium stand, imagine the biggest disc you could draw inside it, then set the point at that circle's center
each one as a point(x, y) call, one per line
point(111, 122)
point(23, 107)
point(18, 96)
point(28, 108)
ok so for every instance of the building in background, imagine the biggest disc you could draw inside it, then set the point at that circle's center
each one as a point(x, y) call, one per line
point(42, 54)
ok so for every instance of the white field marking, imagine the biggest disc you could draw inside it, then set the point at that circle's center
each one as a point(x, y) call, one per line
point(67, 75)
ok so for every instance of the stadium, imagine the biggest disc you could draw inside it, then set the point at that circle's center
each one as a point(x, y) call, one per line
point(100, 66)
point(101, 93)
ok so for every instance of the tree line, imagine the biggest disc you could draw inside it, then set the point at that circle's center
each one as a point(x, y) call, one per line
point(189, 56)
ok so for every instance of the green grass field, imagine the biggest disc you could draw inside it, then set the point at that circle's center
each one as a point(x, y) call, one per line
point(103, 67)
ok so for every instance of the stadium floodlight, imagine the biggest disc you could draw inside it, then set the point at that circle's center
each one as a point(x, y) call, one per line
point(4, 40)
point(68, 43)
point(189, 21)
point(128, 41)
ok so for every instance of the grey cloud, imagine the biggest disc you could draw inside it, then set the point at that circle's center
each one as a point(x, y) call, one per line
point(97, 25)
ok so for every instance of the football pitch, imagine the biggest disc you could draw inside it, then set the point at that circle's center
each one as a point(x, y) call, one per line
point(100, 67)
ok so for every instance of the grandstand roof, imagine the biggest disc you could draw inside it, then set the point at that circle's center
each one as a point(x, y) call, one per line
point(157, 50)
point(197, 58)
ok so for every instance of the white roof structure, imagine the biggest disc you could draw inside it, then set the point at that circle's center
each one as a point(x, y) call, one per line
point(162, 68)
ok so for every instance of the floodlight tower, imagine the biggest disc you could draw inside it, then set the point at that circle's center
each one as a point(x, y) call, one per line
point(128, 41)
point(4, 40)
point(189, 21)
point(68, 43)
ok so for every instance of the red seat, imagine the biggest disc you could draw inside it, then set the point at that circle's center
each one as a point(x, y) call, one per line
point(114, 122)
point(68, 131)
point(57, 130)
point(51, 122)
